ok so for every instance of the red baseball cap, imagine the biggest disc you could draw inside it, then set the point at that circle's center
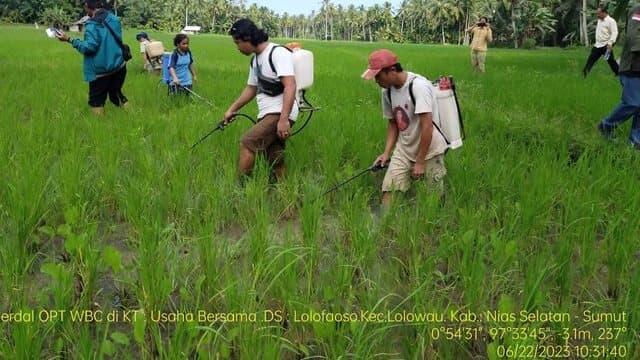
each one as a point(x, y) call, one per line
point(379, 60)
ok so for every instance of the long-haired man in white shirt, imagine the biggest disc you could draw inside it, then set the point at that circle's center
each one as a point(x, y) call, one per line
point(606, 34)
point(272, 82)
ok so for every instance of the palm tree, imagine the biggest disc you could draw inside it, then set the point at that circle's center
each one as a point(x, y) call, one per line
point(217, 8)
point(539, 21)
point(584, 35)
point(512, 6)
point(325, 10)
point(443, 11)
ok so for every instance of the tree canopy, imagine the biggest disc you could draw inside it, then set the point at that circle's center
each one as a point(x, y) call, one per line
point(514, 22)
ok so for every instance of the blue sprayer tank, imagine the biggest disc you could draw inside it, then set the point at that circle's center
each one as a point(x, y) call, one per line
point(166, 76)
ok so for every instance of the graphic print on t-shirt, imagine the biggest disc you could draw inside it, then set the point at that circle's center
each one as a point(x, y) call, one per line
point(401, 117)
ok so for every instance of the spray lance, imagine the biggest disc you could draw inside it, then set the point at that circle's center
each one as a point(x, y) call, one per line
point(220, 126)
point(374, 168)
point(196, 95)
point(304, 106)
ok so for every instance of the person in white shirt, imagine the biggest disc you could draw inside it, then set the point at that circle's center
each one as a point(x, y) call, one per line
point(606, 35)
point(272, 82)
point(414, 148)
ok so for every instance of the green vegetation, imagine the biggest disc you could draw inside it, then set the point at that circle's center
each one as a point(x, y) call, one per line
point(114, 213)
point(514, 22)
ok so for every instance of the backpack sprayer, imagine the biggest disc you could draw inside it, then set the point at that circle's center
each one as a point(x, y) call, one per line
point(449, 114)
point(449, 120)
point(303, 71)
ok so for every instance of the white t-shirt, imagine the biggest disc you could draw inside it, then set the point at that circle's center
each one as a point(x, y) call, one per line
point(406, 116)
point(143, 46)
point(283, 63)
point(606, 32)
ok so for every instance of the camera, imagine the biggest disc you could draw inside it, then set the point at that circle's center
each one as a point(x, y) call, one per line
point(481, 24)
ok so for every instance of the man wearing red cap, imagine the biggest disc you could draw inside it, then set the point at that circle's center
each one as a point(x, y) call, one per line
point(408, 102)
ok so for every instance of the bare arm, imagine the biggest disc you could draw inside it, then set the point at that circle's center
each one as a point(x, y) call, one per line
point(193, 72)
point(247, 95)
point(426, 120)
point(288, 98)
point(172, 72)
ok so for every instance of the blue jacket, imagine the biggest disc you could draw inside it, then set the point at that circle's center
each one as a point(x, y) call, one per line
point(102, 54)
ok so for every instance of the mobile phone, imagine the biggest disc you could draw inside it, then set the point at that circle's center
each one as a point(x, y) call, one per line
point(52, 32)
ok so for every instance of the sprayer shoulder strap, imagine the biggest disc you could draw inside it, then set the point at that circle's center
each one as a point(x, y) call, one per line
point(254, 60)
point(273, 68)
point(413, 101)
point(176, 54)
point(413, 98)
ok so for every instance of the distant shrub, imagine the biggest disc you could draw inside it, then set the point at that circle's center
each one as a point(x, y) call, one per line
point(55, 16)
point(529, 44)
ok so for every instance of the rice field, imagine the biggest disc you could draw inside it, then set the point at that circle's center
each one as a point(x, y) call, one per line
point(119, 242)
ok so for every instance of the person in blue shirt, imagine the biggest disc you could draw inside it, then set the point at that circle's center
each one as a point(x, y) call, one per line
point(181, 68)
point(104, 67)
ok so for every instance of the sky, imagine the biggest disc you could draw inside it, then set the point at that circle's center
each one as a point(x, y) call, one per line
point(296, 7)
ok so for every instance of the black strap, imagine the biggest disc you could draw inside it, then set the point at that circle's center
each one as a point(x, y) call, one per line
point(455, 96)
point(254, 60)
point(413, 98)
point(441, 133)
point(118, 40)
point(273, 68)
point(175, 54)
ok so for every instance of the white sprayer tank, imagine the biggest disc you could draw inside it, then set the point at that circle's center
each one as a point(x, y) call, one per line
point(303, 67)
point(449, 117)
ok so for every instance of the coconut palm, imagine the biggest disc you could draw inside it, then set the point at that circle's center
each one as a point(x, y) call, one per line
point(444, 13)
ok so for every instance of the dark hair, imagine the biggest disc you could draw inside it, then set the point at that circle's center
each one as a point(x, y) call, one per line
point(178, 39)
point(483, 18)
point(396, 66)
point(142, 35)
point(246, 30)
point(603, 8)
point(94, 4)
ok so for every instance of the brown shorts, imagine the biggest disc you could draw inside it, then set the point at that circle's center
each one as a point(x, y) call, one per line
point(263, 136)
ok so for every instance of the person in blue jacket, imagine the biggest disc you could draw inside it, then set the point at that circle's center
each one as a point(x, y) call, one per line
point(104, 67)
point(183, 74)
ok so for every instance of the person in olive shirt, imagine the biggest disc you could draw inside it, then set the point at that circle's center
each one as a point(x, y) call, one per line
point(482, 35)
point(629, 72)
